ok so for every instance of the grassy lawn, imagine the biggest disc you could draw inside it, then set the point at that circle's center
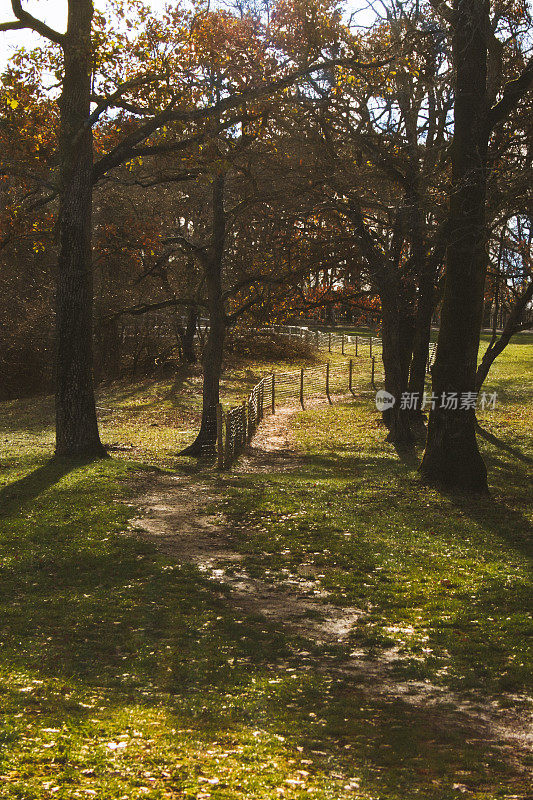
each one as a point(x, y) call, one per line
point(126, 675)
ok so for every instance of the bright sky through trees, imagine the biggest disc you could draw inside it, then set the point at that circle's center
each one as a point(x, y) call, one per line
point(53, 12)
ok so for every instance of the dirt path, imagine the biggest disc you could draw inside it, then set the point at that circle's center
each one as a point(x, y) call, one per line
point(179, 514)
point(175, 504)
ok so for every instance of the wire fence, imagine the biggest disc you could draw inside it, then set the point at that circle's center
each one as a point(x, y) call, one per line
point(344, 343)
point(237, 425)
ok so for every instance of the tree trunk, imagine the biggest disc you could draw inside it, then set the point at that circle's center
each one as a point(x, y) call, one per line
point(407, 333)
point(497, 346)
point(187, 336)
point(385, 279)
point(76, 424)
point(395, 367)
point(452, 457)
point(422, 336)
point(205, 442)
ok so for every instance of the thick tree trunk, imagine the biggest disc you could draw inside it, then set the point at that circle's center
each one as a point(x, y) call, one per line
point(421, 339)
point(205, 442)
point(385, 278)
point(407, 333)
point(212, 365)
point(76, 424)
point(452, 457)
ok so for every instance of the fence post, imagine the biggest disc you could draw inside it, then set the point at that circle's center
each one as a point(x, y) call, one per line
point(342, 344)
point(373, 369)
point(370, 345)
point(329, 342)
point(356, 342)
point(302, 387)
point(327, 382)
point(220, 443)
point(273, 392)
point(252, 418)
point(261, 399)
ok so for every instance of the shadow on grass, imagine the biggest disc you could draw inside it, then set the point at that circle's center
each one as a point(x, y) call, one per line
point(138, 630)
point(408, 454)
point(345, 464)
point(107, 615)
point(18, 494)
point(497, 518)
point(473, 615)
point(499, 443)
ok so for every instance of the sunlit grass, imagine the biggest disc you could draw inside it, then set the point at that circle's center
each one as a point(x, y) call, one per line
point(124, 674)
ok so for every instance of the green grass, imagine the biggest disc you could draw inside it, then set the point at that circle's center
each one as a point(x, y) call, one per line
point(126, 675)
point(444, 577)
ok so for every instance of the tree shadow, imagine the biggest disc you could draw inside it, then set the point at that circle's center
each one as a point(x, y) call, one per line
point(16, 495)
point(182, 385)
point(496, 517)
point(126, 613)
point(492, 439)
point(408, 454)
point(118, 620)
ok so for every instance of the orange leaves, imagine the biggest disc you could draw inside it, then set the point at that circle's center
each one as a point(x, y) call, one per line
point(229, 46)
point(304, 28)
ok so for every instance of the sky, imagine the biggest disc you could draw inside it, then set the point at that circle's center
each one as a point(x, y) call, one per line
point(53, 12)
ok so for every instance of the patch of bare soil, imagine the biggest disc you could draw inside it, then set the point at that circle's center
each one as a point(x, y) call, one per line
point(179, 514)
point(270, 450)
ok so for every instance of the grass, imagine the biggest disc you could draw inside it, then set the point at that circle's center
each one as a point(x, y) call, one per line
point(126, 675)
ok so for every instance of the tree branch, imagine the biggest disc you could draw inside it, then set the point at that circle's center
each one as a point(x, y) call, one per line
point(128, 149)
point(26, 20)
point(512, 94)
point(146, 307)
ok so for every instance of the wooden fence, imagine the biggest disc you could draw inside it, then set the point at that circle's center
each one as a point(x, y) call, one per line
point(237, 425)
point(346, 344)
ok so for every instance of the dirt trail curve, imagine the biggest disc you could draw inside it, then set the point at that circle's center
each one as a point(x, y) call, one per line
point(177, 514)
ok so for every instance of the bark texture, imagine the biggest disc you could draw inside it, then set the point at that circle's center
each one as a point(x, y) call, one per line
point(394, 333)
point(452, 458)
point(383, 269)
point(189, 353)
point(76, 423)
point(422, 331)
point(205, 442)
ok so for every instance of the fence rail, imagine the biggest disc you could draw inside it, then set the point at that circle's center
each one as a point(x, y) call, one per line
point(347, 344)
point(237, 425)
